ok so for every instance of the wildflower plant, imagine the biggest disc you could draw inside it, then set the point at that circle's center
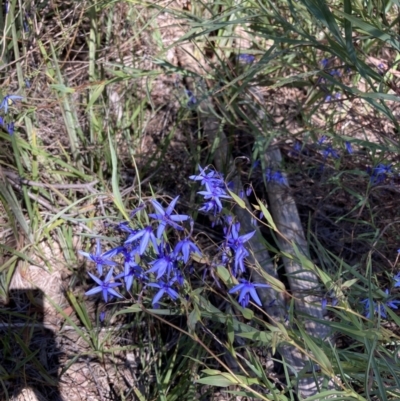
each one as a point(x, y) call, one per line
point(7, 122)
point(157, 255)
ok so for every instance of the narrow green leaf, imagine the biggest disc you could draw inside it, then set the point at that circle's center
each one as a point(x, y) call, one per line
point(267, 215)
point(239, 202)
point(317, 352)
point(218, 381)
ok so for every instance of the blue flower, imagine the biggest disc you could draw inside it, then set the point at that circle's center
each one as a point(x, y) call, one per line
point(391, 303)
point(130, 273)
point(376, 308)
point(165, 263)
point(165, 288)
point(236, 243)
point(324, 303)
point(248, 290)
point(246, 58)
point(334, 73)
point(296, 149)
point(146, 234)
point(214, 194)
point(379, 307)
point(348, 147)
point(99, 258)
point(131, 269)
point(324, 62)
point(192, 99)
point(321, 140)
point(9, 99)
point(396, 279)
point(10, 128)
point(274, 176)
point(165, 217)
point(379, 173)
point(330, 151)
point(214, 190)
point(106, 286)
point(186, 246)
point(212, 178)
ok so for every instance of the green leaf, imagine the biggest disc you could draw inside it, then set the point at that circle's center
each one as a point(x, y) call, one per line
point(62, 88)
point(114, 180)
point(218, 381)
point(194, 317)
point(240, 202)
point(267, 215)
point(349, 283)
point(261, 336)
point(131, 309)
point(317, 352)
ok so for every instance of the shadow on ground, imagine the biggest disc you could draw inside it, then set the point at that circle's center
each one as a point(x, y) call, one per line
point(29, 356)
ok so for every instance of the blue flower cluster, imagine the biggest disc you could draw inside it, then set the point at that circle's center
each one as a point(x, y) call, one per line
point(148, 257)
point(6, 123)
point(379, 307)
point(156, 260)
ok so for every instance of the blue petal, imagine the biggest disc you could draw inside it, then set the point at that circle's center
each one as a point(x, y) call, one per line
point(158, 296)
point(93, 291)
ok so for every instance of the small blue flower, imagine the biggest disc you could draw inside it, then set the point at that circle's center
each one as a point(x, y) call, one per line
point(214, 195)
point(165, 263)
point(296, 149)
point(330, 151)
point(334, 73)
point(106, 286)
point(396, 279)
point(236, 243)
point(211, 178)
point(131, 269)
point(146, 235)
point(393, 304)
point(10, 128)
point(192, 99)
point(377, 308)
point(165, 288)
point(348, 147)
point(324, 62)
point(166, 218)
point(246, 58)
point(324, 303)
point(321, 140)
point(99, 258)
point(274, 176)
point(248, 290)
point(186, 246)
point(9, 99)
point(380, 172)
